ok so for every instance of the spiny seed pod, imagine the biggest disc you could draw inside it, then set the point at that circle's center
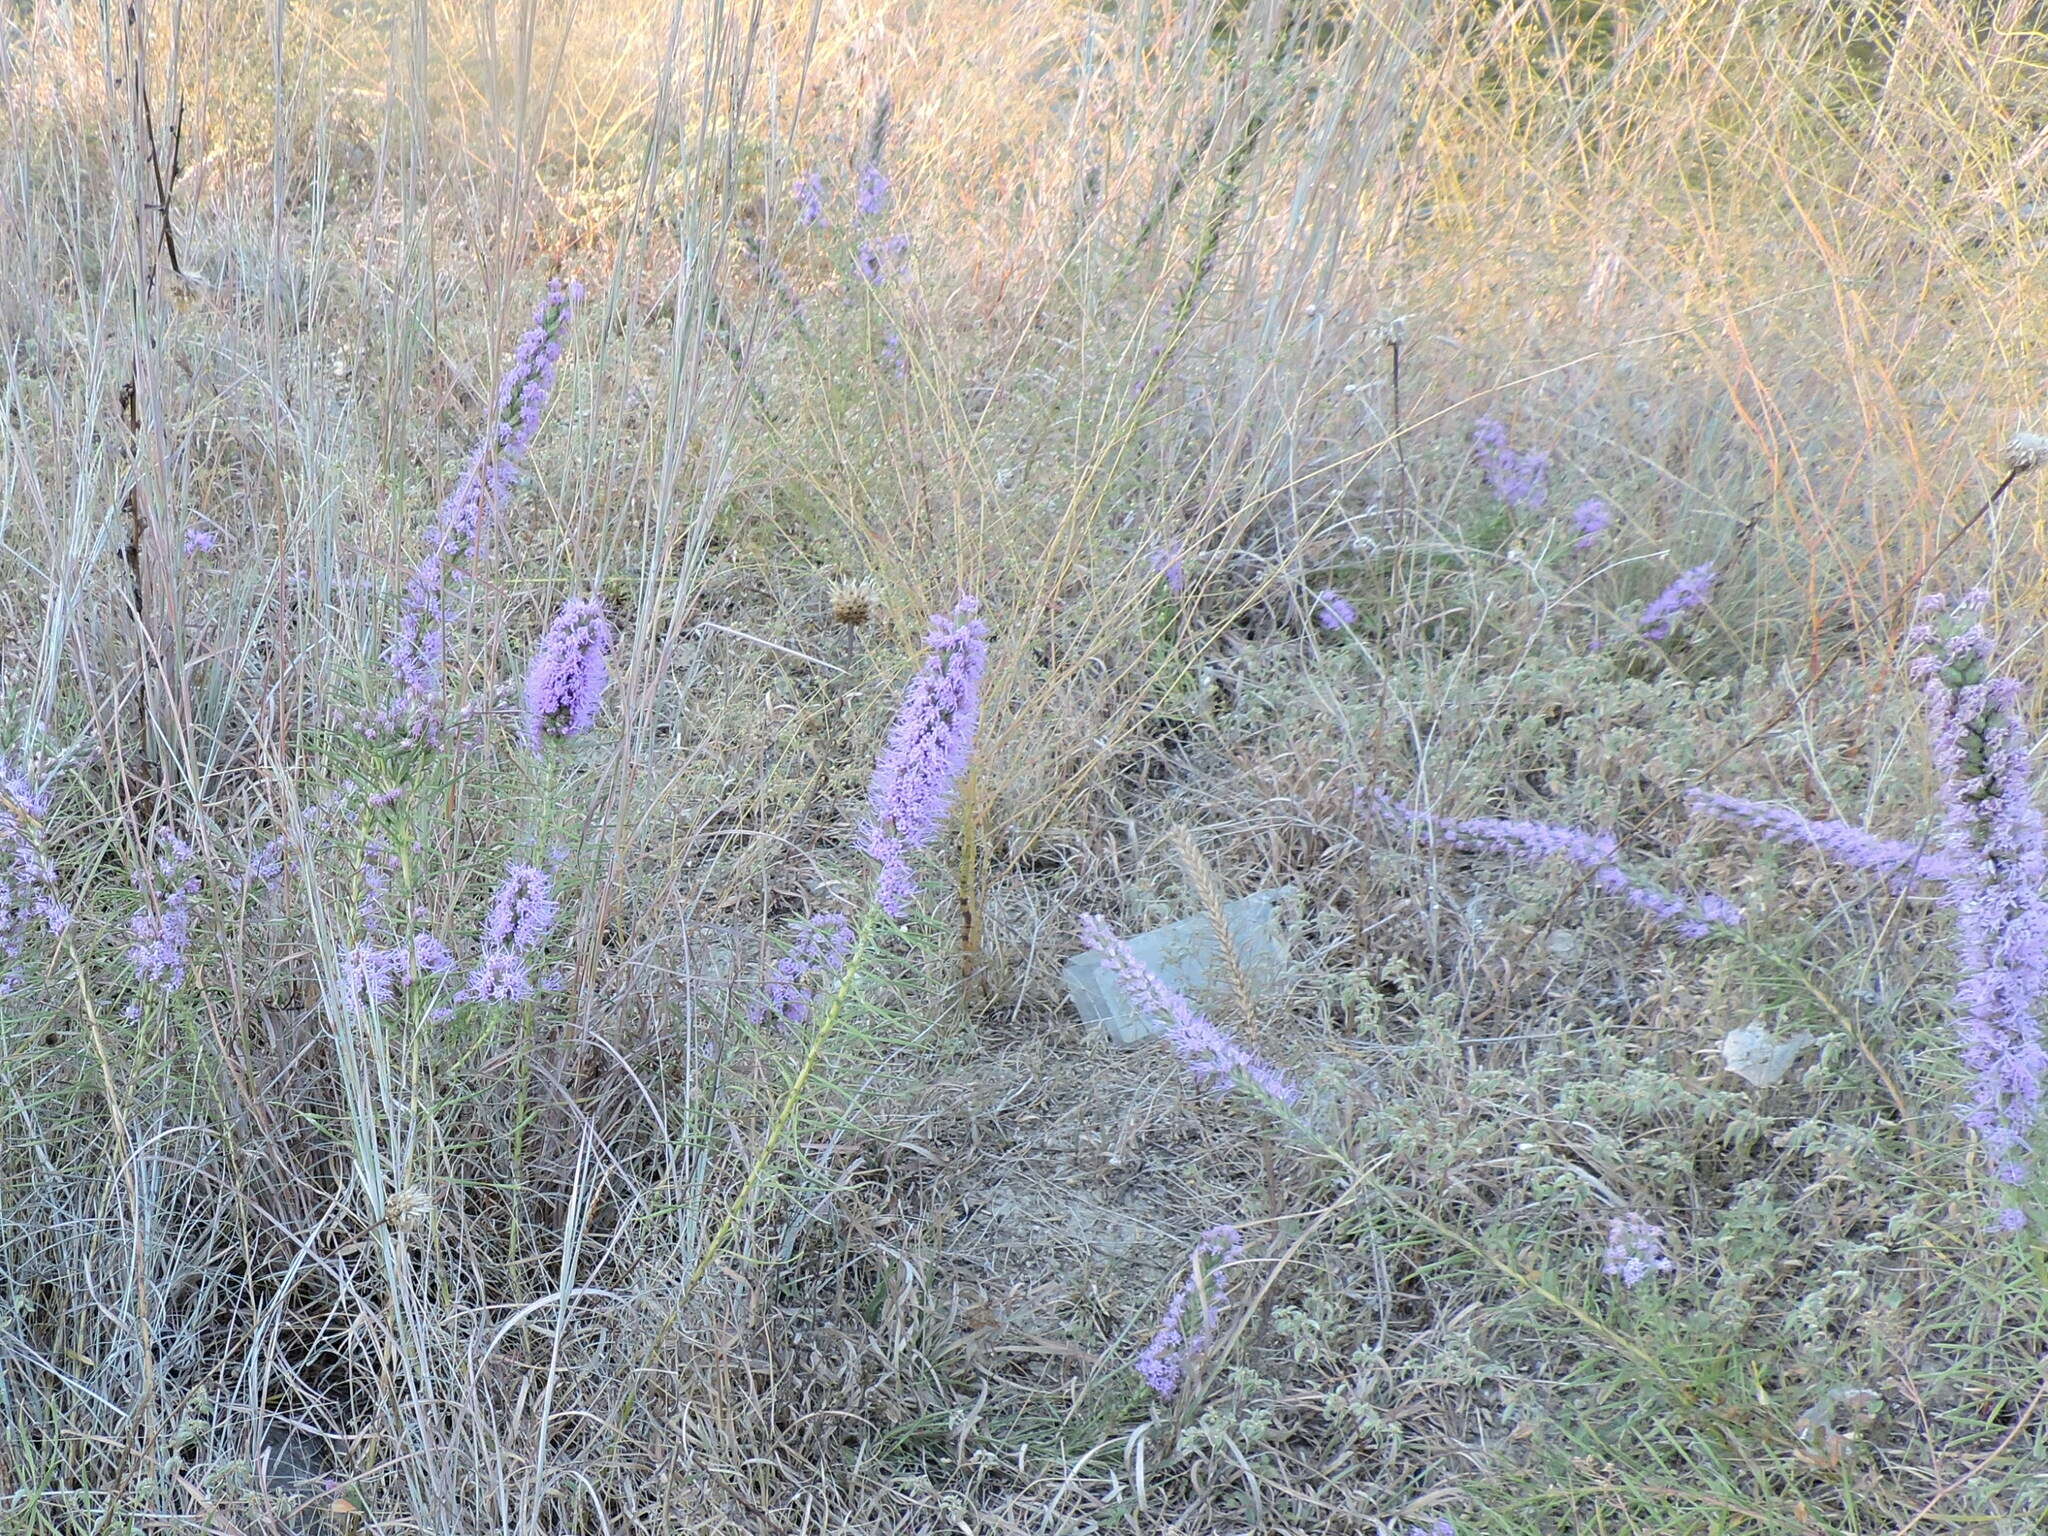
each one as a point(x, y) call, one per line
point(853, 601)
point(409, 1209)
point(2027, 450)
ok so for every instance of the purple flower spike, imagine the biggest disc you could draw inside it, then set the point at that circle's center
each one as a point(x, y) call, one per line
point(377, 975)
point(1690, 590)
point(522, 911)
point(871, 193)
point(1995, 842)
point(162, 930)
point(1167, 563)
point(500, 977)
point(28, 880)
point(809, 193)
point(819, 948)
point(919, 770)
point(567, 680)
point(464, 520)
point(1899, 864)
point(1522, 480)
point(1334, 611)
point(1212, 1057)
point(1635, 1251)
point(1595, 852)
point(1592, 517)
point(1172, 1350)
point(877, 260)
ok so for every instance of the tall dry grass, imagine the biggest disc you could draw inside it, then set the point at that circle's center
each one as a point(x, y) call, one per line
point(1230, 280)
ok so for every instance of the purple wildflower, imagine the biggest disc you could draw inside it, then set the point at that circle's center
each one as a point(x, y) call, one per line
point(28, 880)
point(1210, 1054)
point(377, 974)
point(567, 680)
point(1165, 1360)
point(1899, 864)
point(1596, 852)
point(426, 956)
point(327, 818)
point(1995, 840)
point(877, 260)
point(162, 930)
point(809, 193)
point(819, 948)
point(1522, 480)
point(1690, 590)
point(201, 541)
point(1592, 517)
point(918, 772)
point(269, 864)
point(381, 866)
point(522, 910)
point(1437, 1527)
point(1167, 564)
point(894, 358)
point(871, 192)
point(500, 977)
point(1334, 611)
point(417, 653)
point(1635, 1250)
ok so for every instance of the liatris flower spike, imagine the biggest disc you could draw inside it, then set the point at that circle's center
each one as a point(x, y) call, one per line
point(1592, 517)
point(568, 677)
point(522, 911)
point(1690, 590)
point(1334, 610)
point(1172, 1350)
point(1522, 480)
point(918, 773)
point(500, 977)
point(417, 653)
point(1208, 1050)
point(376, 974)
point(871, 192)
point(1598, 853)
point(819, 948)
point(163, 929)
point(809, 193)
point(876, 260)
point(1995, 840)
point(1899, 864)
point(1635, 1251)
point(1167, 563)
point(28, 880)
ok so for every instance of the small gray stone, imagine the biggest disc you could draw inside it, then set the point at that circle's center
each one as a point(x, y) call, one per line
point(1759, 1057)
point(294, 1466)
point(1186, 956)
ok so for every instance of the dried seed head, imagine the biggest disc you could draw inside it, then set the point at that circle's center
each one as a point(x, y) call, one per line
point(409, 1209)
point(2027, 450)
point(853, 602)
